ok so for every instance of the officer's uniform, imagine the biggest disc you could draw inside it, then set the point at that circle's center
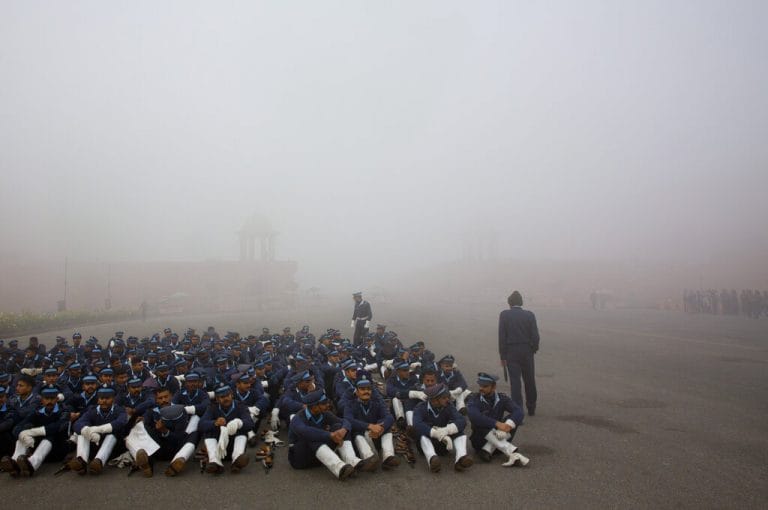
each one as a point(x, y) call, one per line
point(44, 433)
point(217, 439)
point(310, 443)
point(8, 420)
point(518, 342)
point(405, 394)
point(441, 429)
point(103, 427)
point(362, 414)
point(361, 317)
point(484, 412)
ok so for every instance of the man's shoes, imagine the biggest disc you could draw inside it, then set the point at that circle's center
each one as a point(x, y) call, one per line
point(10, 466)
point(239, 463)
point(484, 455)
point(214, 468)
point(142, 463)
point(95, 467)
point(390, 462)
point(175, 467)
point(463, 463)
point(370, 464)
point(434, 464)
point(346, 471)
point(77, 465)
point(531, 411)
point(25, 467)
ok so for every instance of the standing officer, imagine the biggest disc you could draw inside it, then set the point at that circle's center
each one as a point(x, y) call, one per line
point(518, 342)
point(361, 318)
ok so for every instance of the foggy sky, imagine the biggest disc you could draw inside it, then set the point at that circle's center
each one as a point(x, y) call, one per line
point(375, 134)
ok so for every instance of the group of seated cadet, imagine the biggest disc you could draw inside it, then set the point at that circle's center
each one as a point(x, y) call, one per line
point(164, 399)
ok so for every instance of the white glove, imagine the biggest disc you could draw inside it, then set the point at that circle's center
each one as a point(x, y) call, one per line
point(370, 366)
point(265, 384)
point(179, 377)
point(367, 324)
point(35, 432)
point(95, 437)
point(60, 397)
point(190, 410)
point(451, 429)
point(86, 432)
point(417, 395)
point(415, 365)
point(500, 434)
point(388, 363)
point(274, 421)
point(511, 424)
point(455, 393)
point(32, 371)
point(352, 324)
point(254, 410)
point(223, 442)
point(211, 395)
point(448, 442)
point(102, 429)
point(234, 426)
point(437, 433)
point(26, 439)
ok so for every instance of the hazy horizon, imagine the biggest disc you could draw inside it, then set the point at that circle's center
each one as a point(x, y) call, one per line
point(377, 137)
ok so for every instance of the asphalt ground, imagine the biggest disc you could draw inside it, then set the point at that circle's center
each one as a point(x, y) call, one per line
point(636, 409)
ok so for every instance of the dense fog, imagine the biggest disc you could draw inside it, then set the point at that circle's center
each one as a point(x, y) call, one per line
point(384, 142)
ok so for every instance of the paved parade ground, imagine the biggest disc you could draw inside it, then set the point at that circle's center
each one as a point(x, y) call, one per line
point(636, 409)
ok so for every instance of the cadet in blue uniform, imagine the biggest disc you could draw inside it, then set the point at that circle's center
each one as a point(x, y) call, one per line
point(495, 418)
point(137, 400)
point(455, 382)
point(518, 342)
point(25, 401)
point(314, 434)
point(8, 420)
point(40, 432)
point(292, 401)
point(225, 422)
point(86, 398)
point(103, 423)
point(439, 425)
point(253, 398)
point(403, 389)
point(196, 402)
point(164, 378)
point(166, 425)
point(371, 421)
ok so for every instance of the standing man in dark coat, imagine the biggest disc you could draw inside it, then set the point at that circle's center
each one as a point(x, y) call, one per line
point(518, 342)
point(361, 318)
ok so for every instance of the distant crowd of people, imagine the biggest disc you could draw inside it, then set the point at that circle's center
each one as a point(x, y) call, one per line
point(751, 303)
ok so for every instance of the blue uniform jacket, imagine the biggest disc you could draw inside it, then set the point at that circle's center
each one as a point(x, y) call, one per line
point(55, 423)
point(176, 434)
point(314, 429)
point(199, 399)
point(517, 327)
point(215, 411)
point(94, 416)
point(360, 415)
point(453, 380)
point(483, 414)
point(425, 417)
point(399, 388)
